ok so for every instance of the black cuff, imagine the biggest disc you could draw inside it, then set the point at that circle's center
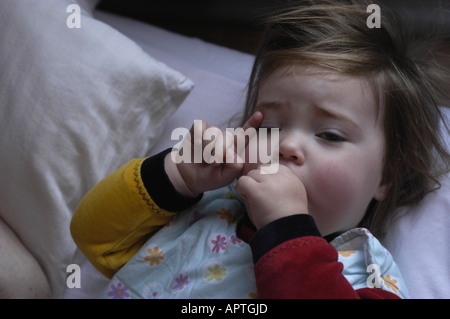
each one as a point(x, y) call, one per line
point(280, 231)
point(159, 186)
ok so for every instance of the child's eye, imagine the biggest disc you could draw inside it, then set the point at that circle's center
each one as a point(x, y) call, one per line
point(331, 137)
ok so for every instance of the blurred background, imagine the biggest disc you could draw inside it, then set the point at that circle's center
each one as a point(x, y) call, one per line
point(235, 23)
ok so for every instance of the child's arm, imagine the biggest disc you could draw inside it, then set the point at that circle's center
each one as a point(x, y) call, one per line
point(124, 210)
point(117, 216)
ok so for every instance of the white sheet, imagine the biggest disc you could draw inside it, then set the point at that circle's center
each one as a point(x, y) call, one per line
point(419, 241)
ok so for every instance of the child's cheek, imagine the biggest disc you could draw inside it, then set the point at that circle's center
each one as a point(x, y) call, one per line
point(332, 191)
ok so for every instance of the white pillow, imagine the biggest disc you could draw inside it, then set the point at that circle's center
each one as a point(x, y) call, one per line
point(75, 104)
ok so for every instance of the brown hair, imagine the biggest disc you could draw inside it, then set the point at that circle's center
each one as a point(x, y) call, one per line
point(408, 71)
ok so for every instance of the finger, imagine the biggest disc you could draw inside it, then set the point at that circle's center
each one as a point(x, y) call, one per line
point(229, 139)
point(256, 175)
point(247, 133)
point(232, 161)
point(196, 132)
point(269, 169)
point(245, 185)
point(222, 147)
point(213, 151)
point(230, 156)
point(231, 171)
point(254, 121)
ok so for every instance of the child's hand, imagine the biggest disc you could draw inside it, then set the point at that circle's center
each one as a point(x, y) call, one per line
point(191, 179)
point(269, 197)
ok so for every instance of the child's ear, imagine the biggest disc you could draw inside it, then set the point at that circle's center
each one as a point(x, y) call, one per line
point(382, 191)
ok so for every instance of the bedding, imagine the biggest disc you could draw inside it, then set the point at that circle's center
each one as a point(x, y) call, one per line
point(78, 103)
point(75, 104)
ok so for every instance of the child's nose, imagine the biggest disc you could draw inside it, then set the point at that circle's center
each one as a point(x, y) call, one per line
point(291, 150)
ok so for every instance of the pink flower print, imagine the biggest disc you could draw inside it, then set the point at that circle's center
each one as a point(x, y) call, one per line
point(181, 282)
point(235, 240)
point(219, 243)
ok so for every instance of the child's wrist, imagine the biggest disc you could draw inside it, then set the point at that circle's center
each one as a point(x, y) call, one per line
point(177, 179)
point(280, 231)
point(159, 186)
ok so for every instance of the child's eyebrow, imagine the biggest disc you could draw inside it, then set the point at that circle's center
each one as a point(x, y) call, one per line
point(323, 112)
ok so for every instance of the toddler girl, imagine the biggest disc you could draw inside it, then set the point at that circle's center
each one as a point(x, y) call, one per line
point(358, 117)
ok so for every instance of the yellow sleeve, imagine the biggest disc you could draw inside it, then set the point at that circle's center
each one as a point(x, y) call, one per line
point(116, 218)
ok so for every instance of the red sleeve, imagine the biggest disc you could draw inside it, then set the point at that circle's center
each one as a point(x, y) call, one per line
point(306, 267)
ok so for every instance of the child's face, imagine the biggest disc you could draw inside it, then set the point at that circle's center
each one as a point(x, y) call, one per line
point(330, 137)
